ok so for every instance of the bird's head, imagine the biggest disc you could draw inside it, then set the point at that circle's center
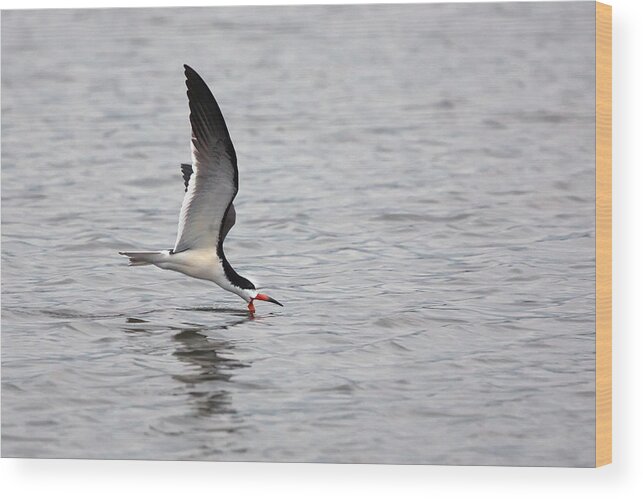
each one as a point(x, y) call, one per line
point(262, 297)
point(255, 295)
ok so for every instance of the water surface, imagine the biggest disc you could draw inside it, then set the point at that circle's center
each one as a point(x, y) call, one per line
point(417, 187)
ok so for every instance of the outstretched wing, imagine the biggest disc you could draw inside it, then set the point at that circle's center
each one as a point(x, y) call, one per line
point(214, 180)
point(231, 216)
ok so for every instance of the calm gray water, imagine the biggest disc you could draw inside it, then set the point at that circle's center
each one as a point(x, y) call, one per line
point(417, 187)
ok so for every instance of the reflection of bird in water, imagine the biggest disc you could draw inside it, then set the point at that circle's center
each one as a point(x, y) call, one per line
point(207, 213)
point(206, 386)
point(203, 352)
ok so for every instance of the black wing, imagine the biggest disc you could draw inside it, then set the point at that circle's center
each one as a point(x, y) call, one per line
point(214, 181)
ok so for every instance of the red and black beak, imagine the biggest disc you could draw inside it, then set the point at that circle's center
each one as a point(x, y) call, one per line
point(263, 297)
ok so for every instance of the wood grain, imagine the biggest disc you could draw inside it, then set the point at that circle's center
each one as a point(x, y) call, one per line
point(603, 234)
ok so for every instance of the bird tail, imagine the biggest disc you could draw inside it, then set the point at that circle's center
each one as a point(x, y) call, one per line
point(137, 258)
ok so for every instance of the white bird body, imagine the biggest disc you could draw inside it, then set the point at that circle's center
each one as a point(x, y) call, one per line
point(207, 211)
point(203, 263)
point(198, 263)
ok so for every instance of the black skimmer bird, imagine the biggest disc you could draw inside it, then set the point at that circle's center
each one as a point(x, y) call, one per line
point(207, 212)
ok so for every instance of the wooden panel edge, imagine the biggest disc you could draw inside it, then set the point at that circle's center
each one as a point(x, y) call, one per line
point(603, 234)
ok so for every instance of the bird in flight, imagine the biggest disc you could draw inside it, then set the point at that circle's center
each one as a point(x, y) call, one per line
point(207, 213)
